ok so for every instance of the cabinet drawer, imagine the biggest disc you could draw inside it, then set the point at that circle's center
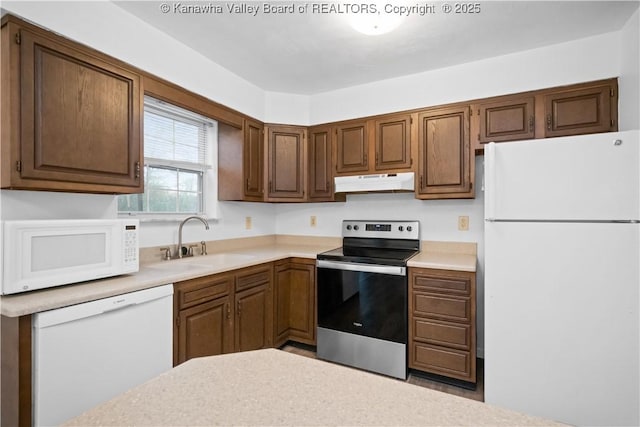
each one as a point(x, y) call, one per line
point(442, 333)
point(253, 276)
point(442, 284)
point(442, 307)
point(203, 289)
point(442, 361)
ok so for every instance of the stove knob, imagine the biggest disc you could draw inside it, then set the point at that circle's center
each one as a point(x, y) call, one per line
point(355, 227)
point(400, 228)
point(409, 228)
point(348, 227)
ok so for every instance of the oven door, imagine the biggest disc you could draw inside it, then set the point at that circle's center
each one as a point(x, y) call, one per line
point(363, 299)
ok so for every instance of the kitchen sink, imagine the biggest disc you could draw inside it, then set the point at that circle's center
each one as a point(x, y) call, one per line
point(201, 262)
point(224, 258)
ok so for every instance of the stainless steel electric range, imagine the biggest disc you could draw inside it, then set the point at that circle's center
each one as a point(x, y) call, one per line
point(362, 296)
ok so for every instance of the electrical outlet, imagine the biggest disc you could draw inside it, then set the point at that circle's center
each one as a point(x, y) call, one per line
point(247, 223)
point(313, 221)
point(463, 223)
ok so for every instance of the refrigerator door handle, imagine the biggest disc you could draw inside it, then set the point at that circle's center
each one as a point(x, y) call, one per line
point(490, 181)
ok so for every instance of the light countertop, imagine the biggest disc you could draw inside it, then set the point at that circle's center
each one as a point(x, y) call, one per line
point(440, 255)
point(273, 387)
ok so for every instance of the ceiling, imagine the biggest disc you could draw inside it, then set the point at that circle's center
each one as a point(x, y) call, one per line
point(307, 53)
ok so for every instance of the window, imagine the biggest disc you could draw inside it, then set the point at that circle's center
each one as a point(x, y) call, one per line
point(178, 163)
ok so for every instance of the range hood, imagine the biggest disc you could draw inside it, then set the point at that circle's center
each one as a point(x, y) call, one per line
point(378, 182)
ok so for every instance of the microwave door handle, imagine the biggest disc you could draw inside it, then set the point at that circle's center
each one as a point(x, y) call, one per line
point(364, 268)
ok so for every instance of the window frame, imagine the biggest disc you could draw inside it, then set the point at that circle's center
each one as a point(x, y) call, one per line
point(208, 180)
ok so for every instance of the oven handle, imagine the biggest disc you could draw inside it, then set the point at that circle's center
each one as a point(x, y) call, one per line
point(365, 268)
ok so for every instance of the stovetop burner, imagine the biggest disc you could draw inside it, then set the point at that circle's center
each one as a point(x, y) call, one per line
point(376, 242)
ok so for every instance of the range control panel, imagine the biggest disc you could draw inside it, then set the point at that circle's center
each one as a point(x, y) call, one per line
point(381, 229)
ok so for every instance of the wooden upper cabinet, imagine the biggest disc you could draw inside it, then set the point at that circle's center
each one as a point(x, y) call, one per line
point(507, 119)
point(79, 125)
point(445, 169)
point(253, 160)
point(286, 166)
point(352, 148)
point(319, 170)
point(582, 109)
point(393, 143)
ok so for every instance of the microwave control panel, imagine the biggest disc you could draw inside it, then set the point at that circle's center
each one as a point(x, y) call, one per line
point(130, 244)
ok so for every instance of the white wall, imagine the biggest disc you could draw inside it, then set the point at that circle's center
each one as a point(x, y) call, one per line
point(629, 83)
point(578, 61)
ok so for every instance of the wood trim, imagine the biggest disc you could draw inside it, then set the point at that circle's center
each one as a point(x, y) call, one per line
point(15, 378)
point(174, 94)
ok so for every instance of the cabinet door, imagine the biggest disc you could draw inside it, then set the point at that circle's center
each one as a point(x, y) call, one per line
point(580, 111)
point(302, 302)
point(506, 120)
point(393, 143)
point(285, 145)
point(352, 148)
point(252, 330)
point(253, 159)
point(205, 330)
point(295, 311)
point(80, 118)
point(319, 167)
point(282, 303)
point(444, 167)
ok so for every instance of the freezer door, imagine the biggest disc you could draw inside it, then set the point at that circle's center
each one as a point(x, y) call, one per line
point(561, 321)
point(588, 177)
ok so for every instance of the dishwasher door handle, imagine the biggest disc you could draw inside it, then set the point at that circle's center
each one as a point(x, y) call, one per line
point(364, 268)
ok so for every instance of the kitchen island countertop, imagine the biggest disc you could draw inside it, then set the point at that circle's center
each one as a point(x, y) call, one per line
point(440, 255)
point(273, 387)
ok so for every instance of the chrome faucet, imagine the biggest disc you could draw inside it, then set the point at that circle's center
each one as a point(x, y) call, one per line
point(204, 221)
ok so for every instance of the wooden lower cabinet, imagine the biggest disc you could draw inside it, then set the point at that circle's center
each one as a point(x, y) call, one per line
point(223, 313)
point(442, 323)
point(295, 296)
point(253, 323)
point(205, 330)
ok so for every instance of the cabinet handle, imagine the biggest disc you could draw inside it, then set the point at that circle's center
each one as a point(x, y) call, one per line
point(228, 310)
point(531, 123)
point(239, 309)
point(549, 121)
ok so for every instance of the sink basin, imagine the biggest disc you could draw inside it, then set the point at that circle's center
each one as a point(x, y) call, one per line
point(200, 263)
point(177, 267)
point(224, 258)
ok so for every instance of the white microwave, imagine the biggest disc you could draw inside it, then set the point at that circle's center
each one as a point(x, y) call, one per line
point(39, 254)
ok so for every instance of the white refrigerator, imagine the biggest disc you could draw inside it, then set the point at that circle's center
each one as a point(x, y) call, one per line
point(562, 257)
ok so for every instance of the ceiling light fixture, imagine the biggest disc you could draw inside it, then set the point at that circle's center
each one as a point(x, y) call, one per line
point(376, 21)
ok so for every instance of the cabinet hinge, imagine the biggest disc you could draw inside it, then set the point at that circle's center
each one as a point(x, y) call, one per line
point(19, 166)
point(18, 38)
point(137, 172)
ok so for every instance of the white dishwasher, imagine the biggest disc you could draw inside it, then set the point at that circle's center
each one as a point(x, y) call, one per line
point(88, 353)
